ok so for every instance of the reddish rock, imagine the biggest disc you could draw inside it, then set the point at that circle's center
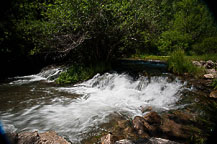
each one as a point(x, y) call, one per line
point(172, 129)
point(108, 139)
point(152, 118)
point(213, 94)
point(138, 124)
point(142, 126)
point(28, 137)
point(49, 137)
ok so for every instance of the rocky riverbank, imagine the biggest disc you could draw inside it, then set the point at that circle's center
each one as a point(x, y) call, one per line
point(49, 137)
point(209, 68)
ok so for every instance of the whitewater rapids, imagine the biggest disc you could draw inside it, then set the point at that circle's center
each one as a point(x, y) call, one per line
point(96, 100)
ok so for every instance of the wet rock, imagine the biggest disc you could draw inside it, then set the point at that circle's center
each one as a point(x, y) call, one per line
point(12, 137)
point(152, 118)
point(146, 109)
point(123, 124)
point(28, 137)
point(138, 124)
point(124, 141)
point(154, 140)
point(213, 94)
point(209, 76)
point(51, 137)
point(181, 117)
point(172, 129)
point(35, 138)
point(143, 127)
point(108, 139)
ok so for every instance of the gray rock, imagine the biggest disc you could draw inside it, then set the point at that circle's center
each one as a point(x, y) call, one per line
point(154, 140)
point(49, 137)
point(209, 76)
point(209, 64)
point(197, 63)
point(124, 141)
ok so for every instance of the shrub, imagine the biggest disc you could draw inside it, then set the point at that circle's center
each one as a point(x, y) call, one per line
point(77, 73)
point(207, 46)
point(214, 83)
point(180, 65)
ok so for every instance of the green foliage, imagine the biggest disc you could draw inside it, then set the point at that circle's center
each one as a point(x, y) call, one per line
point(192, 23)
point(214, 84)
point(208, 45)
point(74, 74)
point(180, 65)
point(77, 73)
point(89, 31)
point(173, 40)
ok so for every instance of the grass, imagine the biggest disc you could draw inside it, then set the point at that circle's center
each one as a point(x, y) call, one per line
point(212, 57)
point(178, 63)
point(150, 57)
point(214, 84)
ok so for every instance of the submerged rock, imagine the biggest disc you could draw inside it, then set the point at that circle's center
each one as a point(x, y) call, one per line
point(49, 137)
point(213, 94)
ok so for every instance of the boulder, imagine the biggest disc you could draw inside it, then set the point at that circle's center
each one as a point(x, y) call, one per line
point(209, 64)
point(124, 141)
point(197, 63)
point(202, 62)
point(28, 137)
point(171, 129)
point(152, 118)
point(181, 117)
point(108, 139)
point(138, 124)
point(142, 127)
point(209, 76)
point(213, 94)
point(154, 140)
point(49, 137)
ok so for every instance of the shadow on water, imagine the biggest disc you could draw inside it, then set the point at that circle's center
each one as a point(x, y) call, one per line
point(136, 68)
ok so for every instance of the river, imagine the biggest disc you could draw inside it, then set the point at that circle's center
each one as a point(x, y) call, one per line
point(76, 112)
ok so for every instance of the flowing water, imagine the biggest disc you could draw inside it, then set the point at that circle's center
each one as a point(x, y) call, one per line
point(35, 102)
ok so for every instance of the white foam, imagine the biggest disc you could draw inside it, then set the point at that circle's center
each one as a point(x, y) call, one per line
point(108, 94)
point(49, 75)
point(101, 97)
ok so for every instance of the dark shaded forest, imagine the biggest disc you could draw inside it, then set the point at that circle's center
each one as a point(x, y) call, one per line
point(35, 33)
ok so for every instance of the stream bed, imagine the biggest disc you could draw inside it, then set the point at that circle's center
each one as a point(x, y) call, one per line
point(76, 112)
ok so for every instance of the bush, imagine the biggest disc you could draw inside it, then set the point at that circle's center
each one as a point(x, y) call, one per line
point(77, 73)
point(214, 84)
point(173, 40)
point(180, 65)
point(207, 46)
